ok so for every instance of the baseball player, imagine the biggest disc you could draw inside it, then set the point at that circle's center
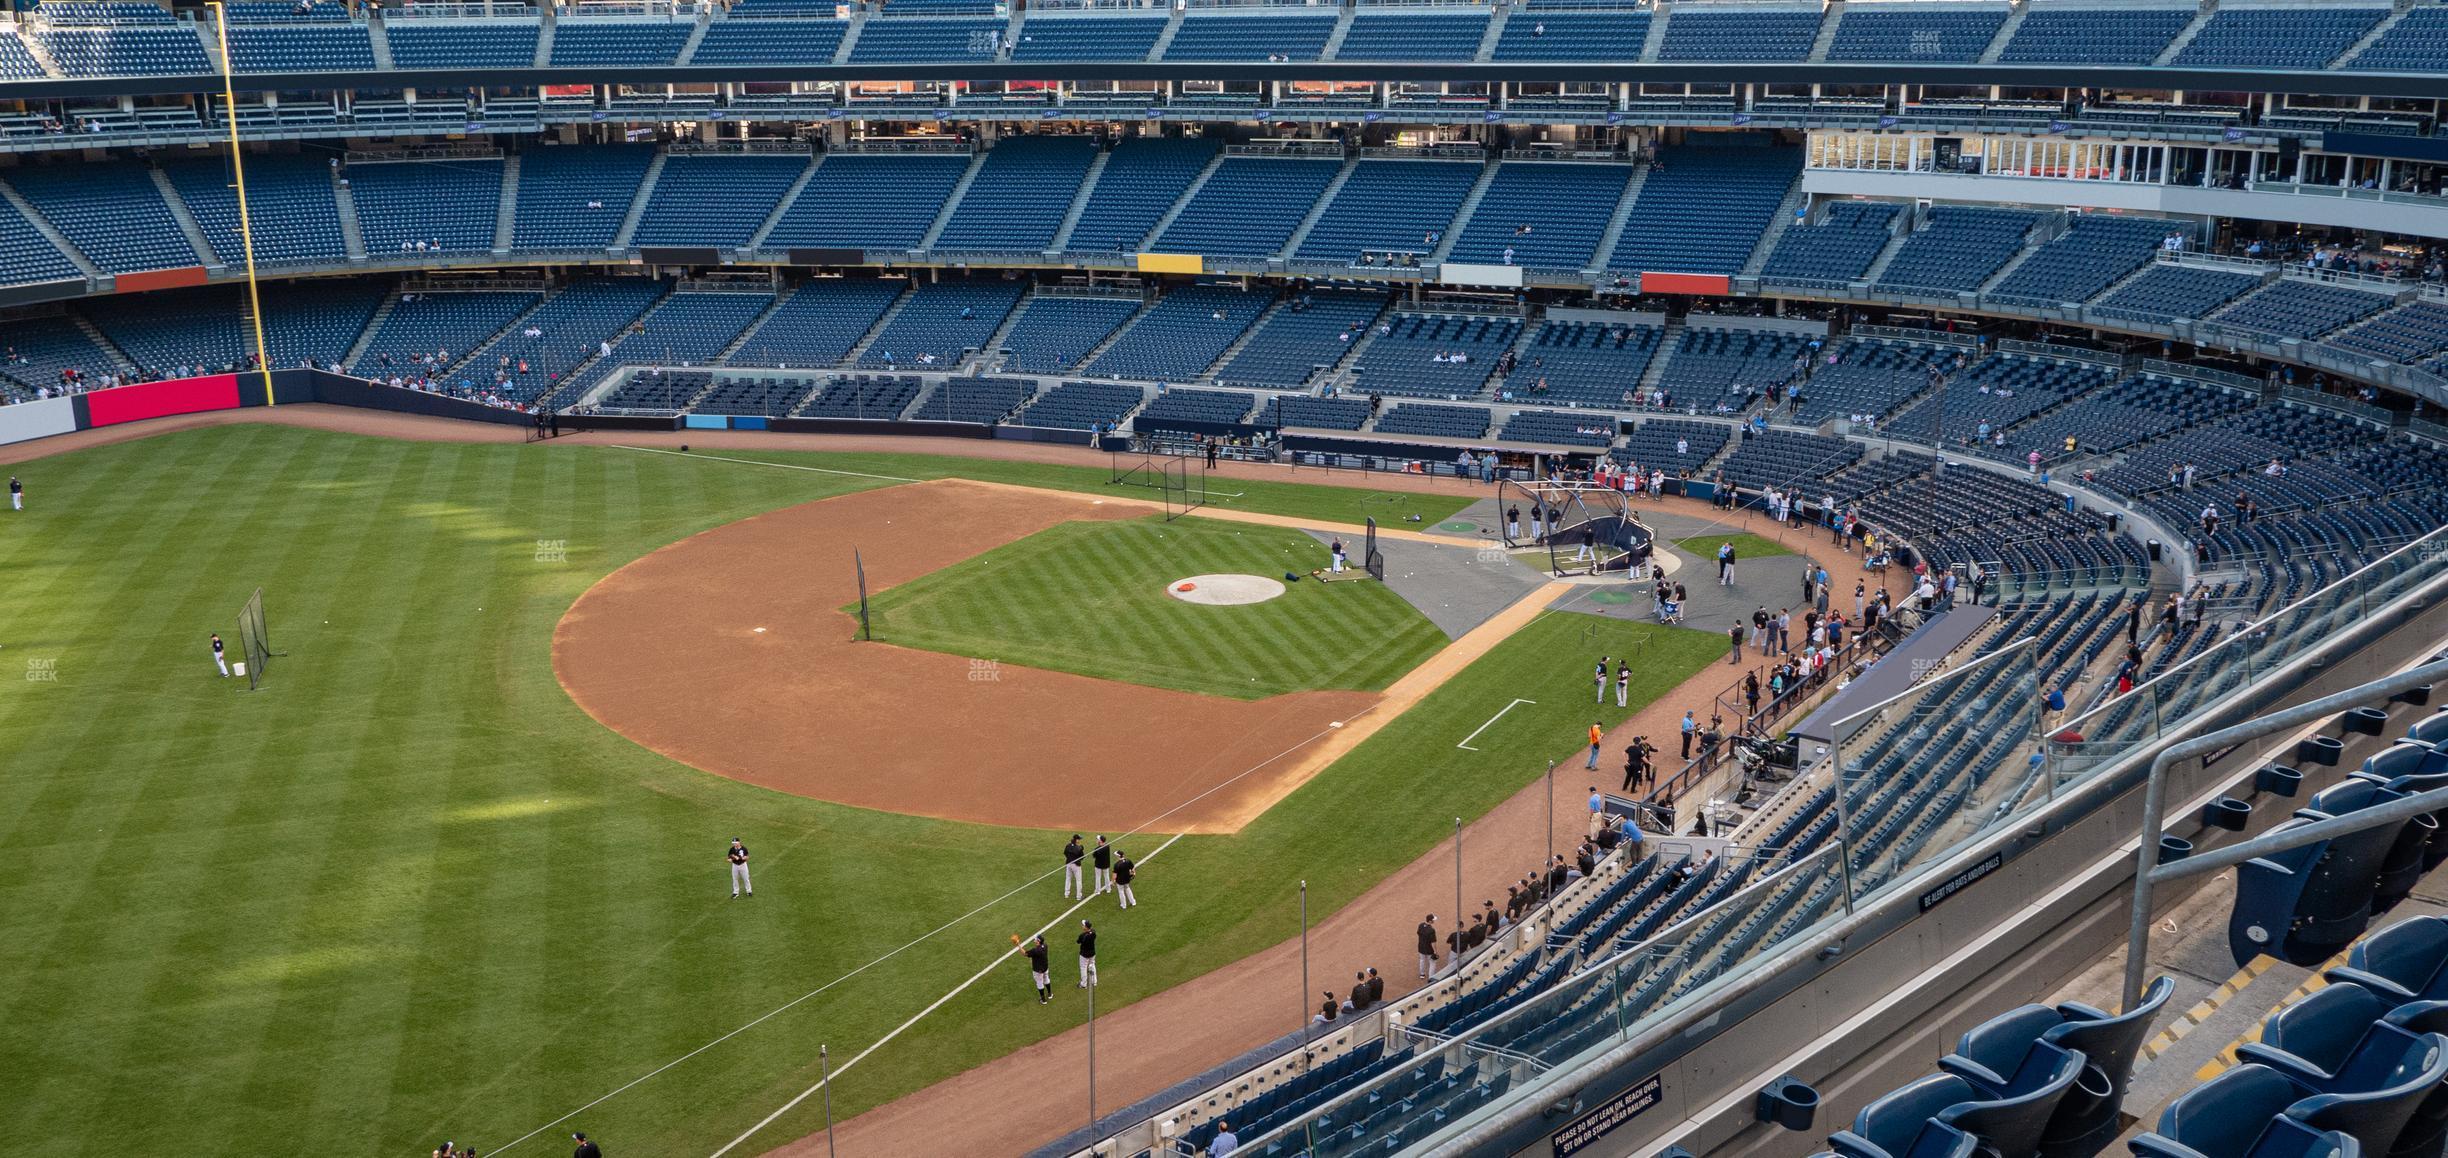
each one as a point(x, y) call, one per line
point(1124, 873)
point(1039, 971)
point(1072, 853)
point(1337, 549)
point(219, 660)
point(1087, 946)
point(16, 494)
point(1103, 859)
point(738, 856)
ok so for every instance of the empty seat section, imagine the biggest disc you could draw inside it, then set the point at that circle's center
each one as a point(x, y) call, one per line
point(688, 328)
point(1055, 37)
point(939, 7)
point(1702, 210)
point(2166, 292)
point(1185, 331)
point(885, 39)
point(1249, 208)
point(41, 348)
point(1380, 35)
point(113, 213)
point(125, 51)
point(462, 44)
point(1840, 248)
point(2301, 309)
point(980, 400)
point(1055, 332)
point(877, 201)
point(16, 60)
point(715, 199)
point(1020, 195)
point(1142, 179)
point(1435, 420)
point(1318, 413)
point(447, 205)
point(1916, 32)
point(871, 396)
point(300, 48)
point(440, 327)
point(1389, 207)
point(770, 42)
point(1582, 363)
point(1869, 378)
point(2306, 36)
point(941, 321)
point(1573, 36)
point(1081, 405)
point(574, 197)
point(204, 329)
point(1783, 458)
point(1434, 355)
point(1195, 409)
point(1724, 370)
point(1289, 37)
point(1299, 341)
point(295, 213)
point(819, 323)
point(1548, 215)
point(26, 256)
point(2094, 252)
point(1559, 428)
point(1703, 34)
point(1959, 248)
point(619, 41)
point(2406, 334)
point(2418, 42)
point(2117, 35)
point(1673, 445)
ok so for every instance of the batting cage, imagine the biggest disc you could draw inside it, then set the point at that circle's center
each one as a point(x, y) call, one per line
point(253, 639)
point(1182, 480)
point(1585, 528)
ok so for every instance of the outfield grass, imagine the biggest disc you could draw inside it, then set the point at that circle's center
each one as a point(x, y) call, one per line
point(409, 891)
point(1090, 598)
point(1746, 546)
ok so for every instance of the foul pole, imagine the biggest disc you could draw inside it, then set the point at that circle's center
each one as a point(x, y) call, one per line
point(246, 228)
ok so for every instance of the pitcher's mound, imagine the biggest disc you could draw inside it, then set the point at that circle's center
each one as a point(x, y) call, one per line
point(1225, 590)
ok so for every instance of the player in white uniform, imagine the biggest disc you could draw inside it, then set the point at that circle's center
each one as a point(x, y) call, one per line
point(738, 856)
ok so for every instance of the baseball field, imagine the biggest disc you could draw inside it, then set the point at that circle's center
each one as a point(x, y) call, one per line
point(456, 871)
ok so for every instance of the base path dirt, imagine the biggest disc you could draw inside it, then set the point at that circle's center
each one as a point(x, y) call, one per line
point(728, 651)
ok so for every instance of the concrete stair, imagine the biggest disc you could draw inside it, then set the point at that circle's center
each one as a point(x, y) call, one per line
point(1495, 32)
point(1655, 372)
point(883, 322)
point(1003, 329)
point(544, 38)
point(1794, 198)
point(2369, 38)
point(1318, 210)
point(952, 202)
point(1079, 202)
point(505, 218)
point(186, 221)
point(756, 241)
point(1164, 39)
point(2006, 33)
point(2209, 8)
point(1462, 215)
point(1188, 192)
point(101, 341)
point(1827, 31)
point(723, 358)
point(475, 359)
point(696, 37)
point(637, 205)
point(1603, 257)
point(50, 232)
point(2040, 235)
point(849, 39)
point(1878, 265)
point(42, 56)
point(380, 37)
point(365, 337)
point(350, 235)
point(1658, 16)
point(1334, 42)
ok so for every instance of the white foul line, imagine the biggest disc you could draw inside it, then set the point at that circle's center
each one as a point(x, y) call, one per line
point(762, 462)
point(915, 1018)
point(1491, 720)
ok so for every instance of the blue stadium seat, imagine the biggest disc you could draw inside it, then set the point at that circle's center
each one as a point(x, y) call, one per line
point(885, 40)
point(2305, 904)
point(1434, 420)
point(2094, 252)
point(1990, 1055)
point(1299, 36)
point(716, 199)
point(1081, 406)
point(1020, 195)
point(1695, 33)
point(1581, 363)
point(290, 199)
point(462, 43)
point(1195, 411)
point(1702, 210)
point(819, 323)
point(1185, 331)
point(2293, 37)
point(574, 197)
point(1054, 36)
point(880, 201)
point(1142, 178)
point(2407, 961)
point(1404, 360)
point(1840, 248)
point(1959, 248)
point(113, 213)
point(1248, 208)
point(942, 320)
point(1916, 32)
point(1389, 206)
point(583, 41)
point(1551, 36)
point(2418, 42)
point(1054, 332)
point(985, 401)
point(444, 325)
point(770, 42)
point(2105, 35)
point(300, 48)
point(1377, 34)
point(16, 60)
point(2247, 1112)
point(1311, 332)
point(1548, 215)
point(2167, 292)
point(2302, 309)
point(451, 206)
point(125, 51)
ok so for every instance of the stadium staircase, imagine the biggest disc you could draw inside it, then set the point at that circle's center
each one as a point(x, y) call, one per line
point(1903, 228)
point(475, 358)
point(1003, 329)
point(952, 200)
point(1828, 21)
point(505, 218)
point(1655, 372)
point(696, 36)
point(1098, 350)
point(1784, 219)
point(1462, 215)
point(50, 232)
point(42, 55)
point(101, 341)
point(1318, 210)
point(1164, 39)
point(1189, 193)
point(544, 37)
point(1661, 13)
point(351, 237)
point(883, 322)
point(1601, 257)
point(1495, 32)
point(2048, 229)
point(723, 358)
point(2209, 8)
point(1079, 203)
point(212, 52)
point(637, 204)
point(365, 337)
point(2006, 34)
point(2372, 37)
point(756, 240)
point(850, 35)
point(1334, 41)
point(378, 36)
point(186, 221)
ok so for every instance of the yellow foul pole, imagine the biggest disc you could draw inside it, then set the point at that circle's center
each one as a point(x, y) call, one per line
point(246, 228)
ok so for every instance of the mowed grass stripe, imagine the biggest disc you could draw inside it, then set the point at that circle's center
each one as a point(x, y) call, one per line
point(1090, 598)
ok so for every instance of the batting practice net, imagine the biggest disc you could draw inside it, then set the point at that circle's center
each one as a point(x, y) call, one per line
point(1585, 528)
point(1372, 560)
point(1183, 481)
point(253, 639)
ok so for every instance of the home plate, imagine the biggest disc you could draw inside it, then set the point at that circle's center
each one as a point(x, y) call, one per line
point(1224, 590)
